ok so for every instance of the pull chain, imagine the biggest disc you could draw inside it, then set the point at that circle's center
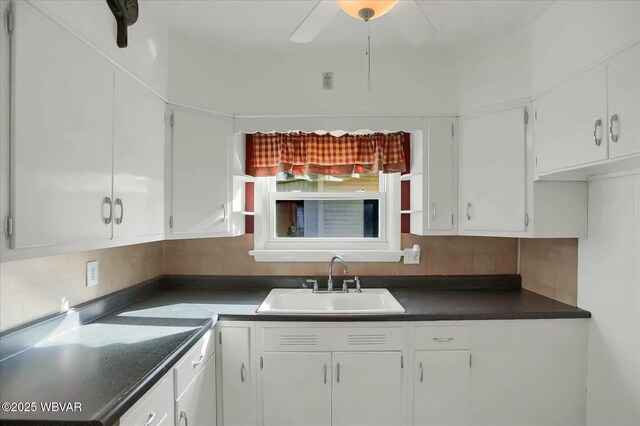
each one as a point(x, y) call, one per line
point(369, 56)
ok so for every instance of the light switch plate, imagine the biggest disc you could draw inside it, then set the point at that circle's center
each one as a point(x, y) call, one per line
point(92, 273)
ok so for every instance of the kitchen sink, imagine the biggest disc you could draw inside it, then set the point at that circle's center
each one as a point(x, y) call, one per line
point(305, 301)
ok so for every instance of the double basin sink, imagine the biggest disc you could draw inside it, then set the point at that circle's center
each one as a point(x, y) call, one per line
point(305, 301)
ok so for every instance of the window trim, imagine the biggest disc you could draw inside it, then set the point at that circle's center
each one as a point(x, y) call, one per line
point(269, 249)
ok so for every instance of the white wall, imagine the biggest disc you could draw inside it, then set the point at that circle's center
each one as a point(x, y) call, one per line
point(572, 35)
point(609, 287)
point(257, 82)
point(494, 73)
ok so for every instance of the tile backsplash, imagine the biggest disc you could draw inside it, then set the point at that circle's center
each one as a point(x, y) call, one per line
point(439, 256)
point(34, 288)
point(549, 266)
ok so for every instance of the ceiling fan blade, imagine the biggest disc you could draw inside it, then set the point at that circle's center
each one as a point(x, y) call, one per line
point(315, 21)
point(413, 22)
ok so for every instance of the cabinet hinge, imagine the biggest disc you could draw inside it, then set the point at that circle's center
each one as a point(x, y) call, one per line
point(526, 219)
point(261, 363)
point(470, 362)
point(451, 129)
point(220, 337)
point(401, 361)
point(8, 20)
point(8, 227)
point(526, 116)
point(171, 120)
point(171, 222)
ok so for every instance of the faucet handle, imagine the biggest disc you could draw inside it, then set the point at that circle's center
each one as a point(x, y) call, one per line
point(357, 280)
point(311, 281)
point(345, 284)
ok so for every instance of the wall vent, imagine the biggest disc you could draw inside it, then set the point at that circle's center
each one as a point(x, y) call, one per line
point(366, 339)
point(298, 340)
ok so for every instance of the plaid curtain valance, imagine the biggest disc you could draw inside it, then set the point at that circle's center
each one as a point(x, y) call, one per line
point(302, 153)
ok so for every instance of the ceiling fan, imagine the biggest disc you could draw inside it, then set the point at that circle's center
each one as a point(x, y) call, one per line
point(407, 15)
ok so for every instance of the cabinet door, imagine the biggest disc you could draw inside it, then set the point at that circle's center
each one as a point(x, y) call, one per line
point(441, 388)
point(492, 172)
point(367, 389)
point(62, 95)
point(138, 168)
point(296, 388)
point(623, 78)
point(566, 119)
point(200, 175)
point(197, 405)
point(440, 174)
point(238, 401)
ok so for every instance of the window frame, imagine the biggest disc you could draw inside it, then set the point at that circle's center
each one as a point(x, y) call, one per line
point(386, 247)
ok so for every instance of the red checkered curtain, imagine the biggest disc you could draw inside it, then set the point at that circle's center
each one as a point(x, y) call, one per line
point(303, 153)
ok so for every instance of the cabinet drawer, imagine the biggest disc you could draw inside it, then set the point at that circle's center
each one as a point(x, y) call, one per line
point(191, 364)
point(442, 338)
point(155, 408)
point(310, 339)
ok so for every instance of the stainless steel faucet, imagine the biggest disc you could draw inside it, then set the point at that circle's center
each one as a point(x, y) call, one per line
point(344, 265)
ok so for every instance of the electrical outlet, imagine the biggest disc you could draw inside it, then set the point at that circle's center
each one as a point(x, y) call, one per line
point(92, 273)
point(412, 255)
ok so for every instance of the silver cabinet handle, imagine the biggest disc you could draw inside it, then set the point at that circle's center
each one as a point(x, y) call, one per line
point(198, 362)
point(443, 339)
point(338, 372)
point(421, 373)
point(121, 205)
point(107, 201)
point(468, 211)
point(242, 372)
point(325, 374)
point(597, 124)
point(183, 415)
point(150, 419)
point(614, 136)
point(224, 213)
point(434, 212)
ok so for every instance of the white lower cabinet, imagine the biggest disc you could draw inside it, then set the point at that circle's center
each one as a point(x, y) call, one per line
point(441, 388)
point(367, 389)
point(197, 405)
point(155, 408)
point(296, 388)
point(237, 377)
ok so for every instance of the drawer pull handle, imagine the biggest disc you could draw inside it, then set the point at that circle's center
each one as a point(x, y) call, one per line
point(150, 419)
point(325, 374)
point(338, 372)
point(183, 415)
point(198, 362)
point(596, 139)
point(443, 339)
point(421, 373)
point(242, 372)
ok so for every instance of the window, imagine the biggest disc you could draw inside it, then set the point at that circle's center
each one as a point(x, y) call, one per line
point(313, 216)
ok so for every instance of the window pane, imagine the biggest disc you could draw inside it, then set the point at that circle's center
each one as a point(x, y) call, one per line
point(369, 182)
point(327, 218)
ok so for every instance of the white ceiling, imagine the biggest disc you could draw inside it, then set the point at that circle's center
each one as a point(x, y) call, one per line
point(269, 23)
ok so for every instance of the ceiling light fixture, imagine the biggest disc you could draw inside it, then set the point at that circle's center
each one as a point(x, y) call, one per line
point(366, 10)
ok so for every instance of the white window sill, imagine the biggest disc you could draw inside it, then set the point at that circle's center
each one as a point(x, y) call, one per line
point(326, 255)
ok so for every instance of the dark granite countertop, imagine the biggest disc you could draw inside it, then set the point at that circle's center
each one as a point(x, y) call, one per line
point(123, 343)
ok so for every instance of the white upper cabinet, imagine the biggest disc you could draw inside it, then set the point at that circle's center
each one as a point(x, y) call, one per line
point(200, 174)
point(590, 120)
point(433, 178)
point(623, 90)
point(571, 123)
point(492, 172)
point(138, 161)
point(62, 106)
